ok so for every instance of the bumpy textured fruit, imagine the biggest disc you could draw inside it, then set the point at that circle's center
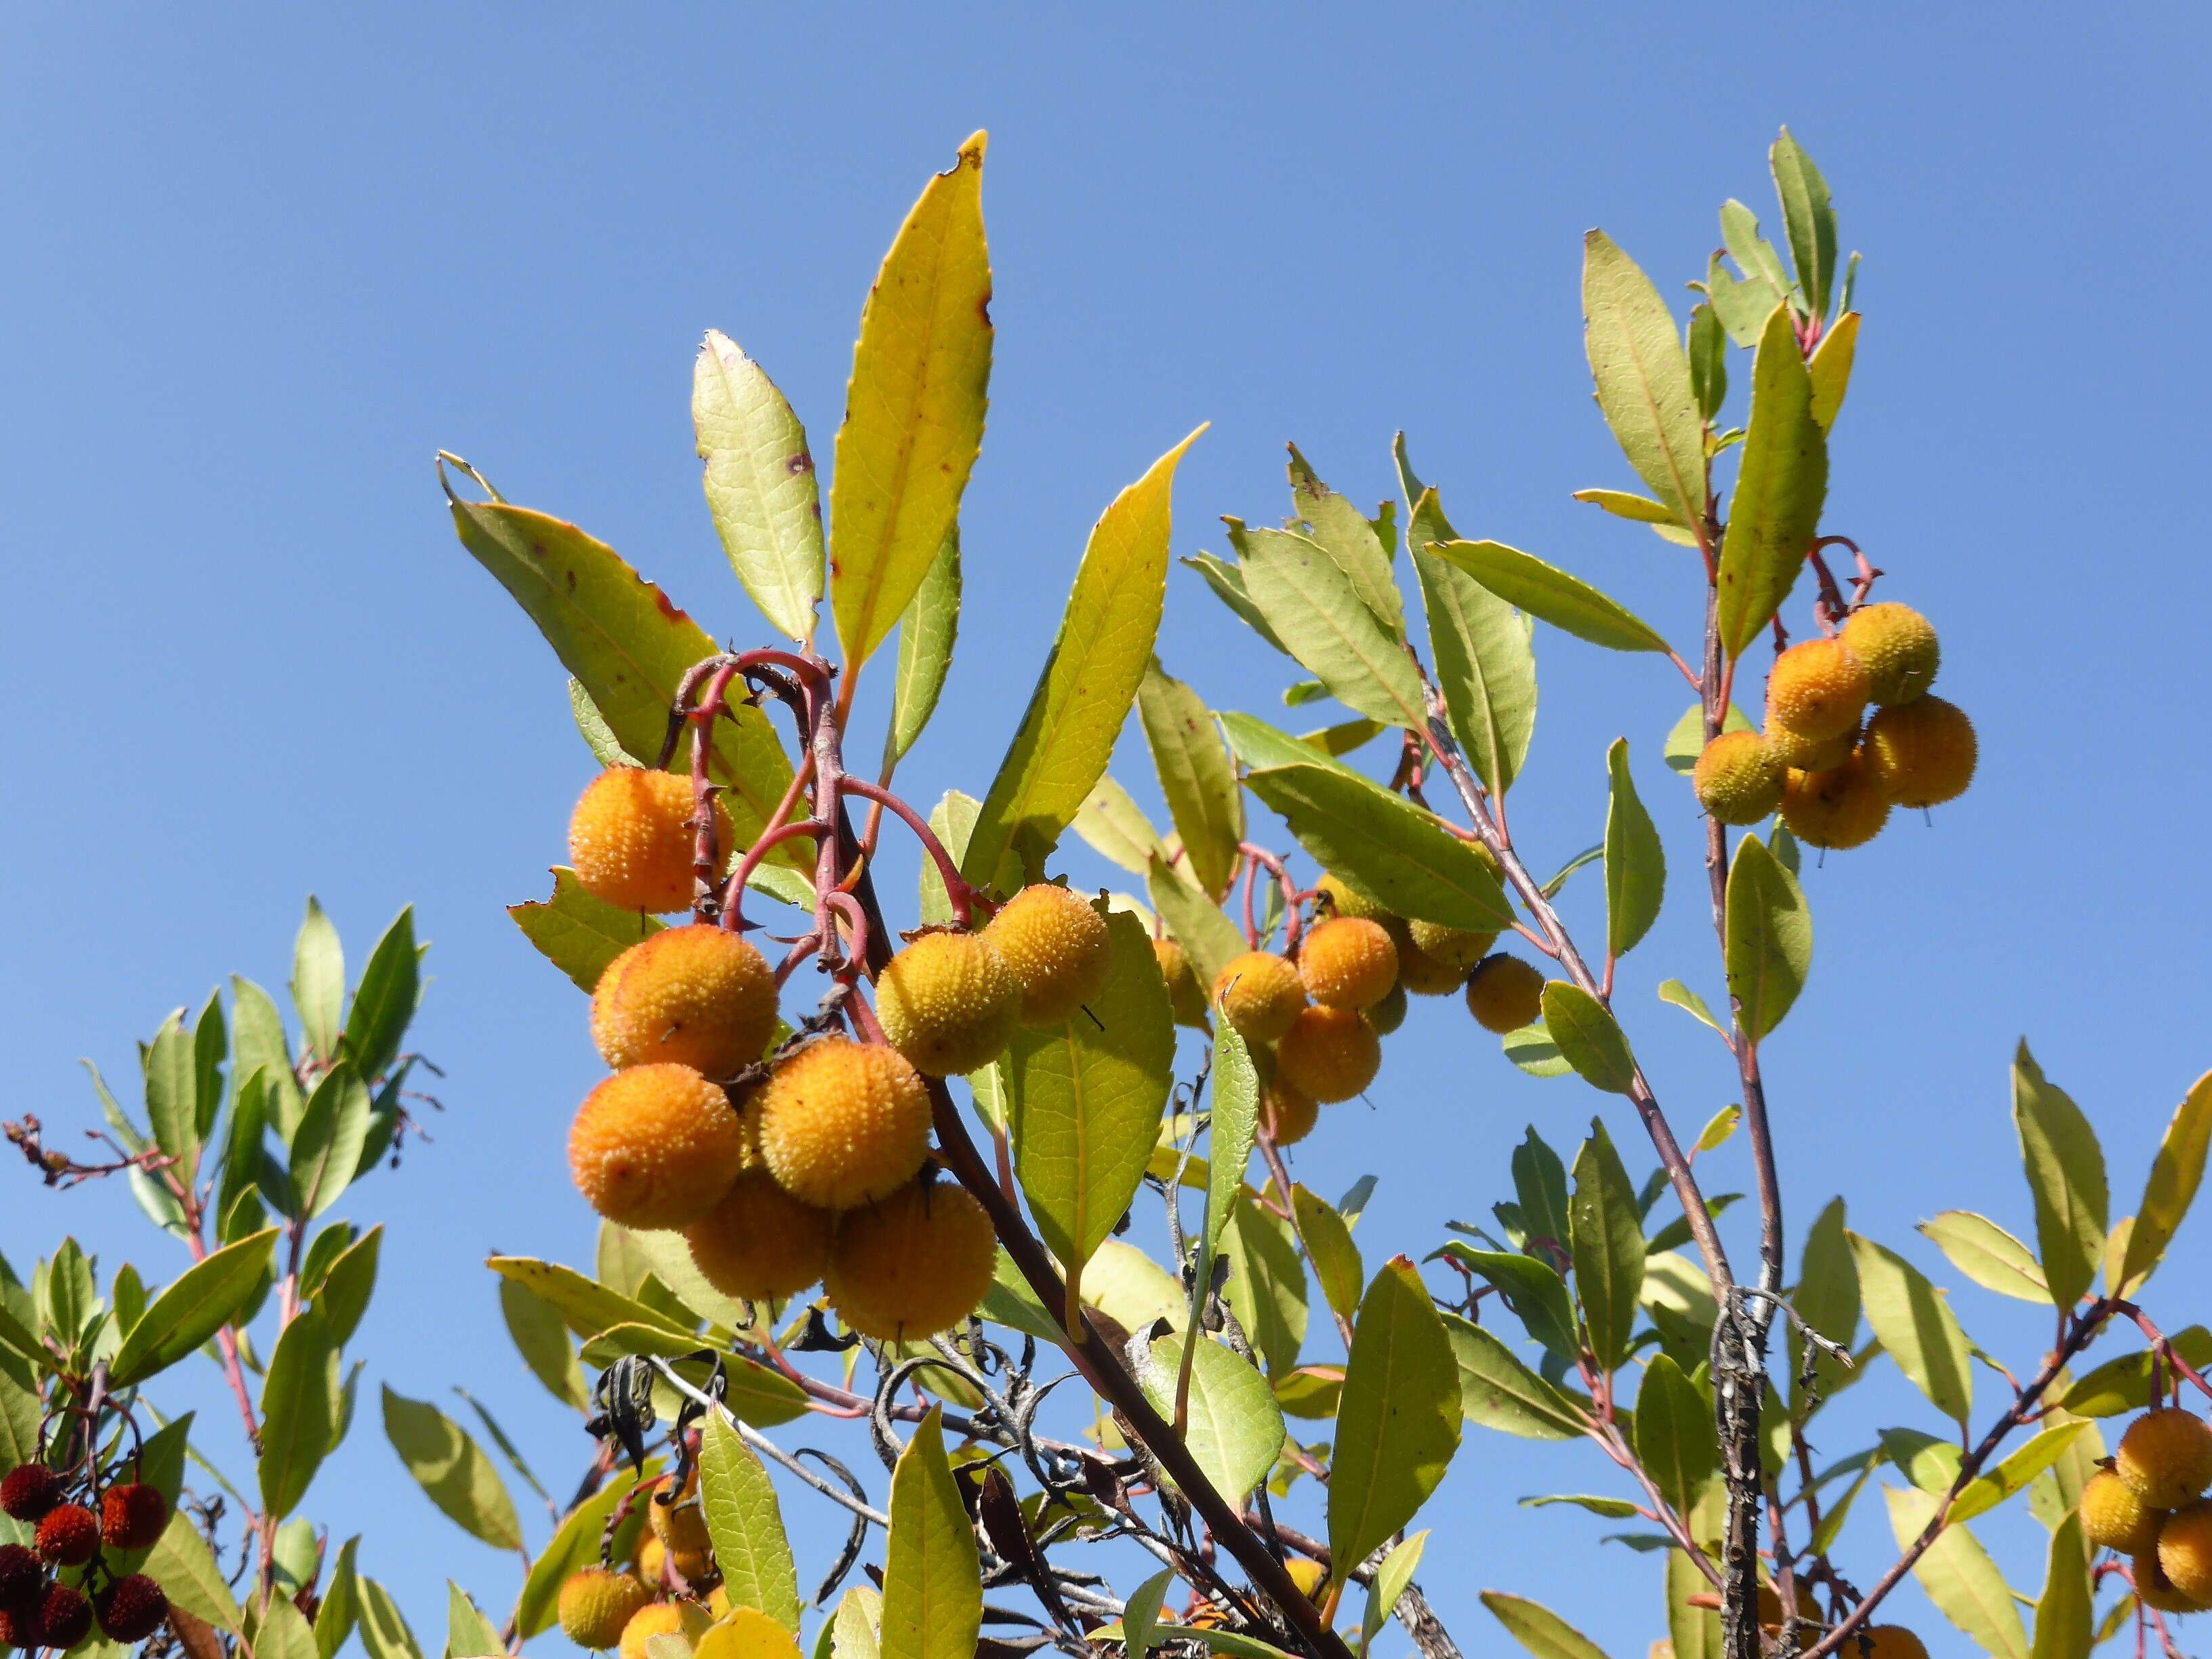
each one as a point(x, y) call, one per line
point(2115, 1517)
point(68, 1536)
point(1841, 807)
point(29, 1490)
point(698, 996)
point(597, 1605)
point(1286, 1116)
point(1504, 993)
point(2166, 1456)
point(1423, 975)
point(15, 1628)
point(1186, 996)
point(1058, 947)
point(2184, 1550)
point(1459, 948)
point(760, 1242)
point(1922, 752)
point(1896, 646)
point(949, 1003)
point(1260, 995)
point(63, 1619)
point(1387, 1015)
point(1348, 961)
point(630, 839)
point(1738, 779)
point(1330, 1054)
point(1807, 754)
point(132, 1517)
point(21, 1577)
point(660, 1619)
point(1818, 689)
point(842, 1122)
point(679, 1523)
point(1889, 1641)
point(2154, 1589)
point(655, 1146)
point(916, 1264)
point(132, 1609)
point(1344, 902)
point(652, 1558)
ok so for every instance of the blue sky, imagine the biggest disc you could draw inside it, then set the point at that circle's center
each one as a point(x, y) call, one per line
point(260, 264)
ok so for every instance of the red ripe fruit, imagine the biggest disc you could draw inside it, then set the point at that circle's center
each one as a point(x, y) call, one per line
point(30, 1490)
point(15, 1628)
point(63, 1619)
point(131, 1609)
point(68, 1537)
point(131, 1517)
point(22, 1576)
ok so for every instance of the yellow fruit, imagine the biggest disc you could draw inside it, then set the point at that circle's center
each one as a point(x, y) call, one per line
point(949, 1003)
point(1330, 1054)
point(1738, 779)
point(1770, 1605)
point(1259, 994)
point(1344, 902)
point(652, 1558)
point(841, 1122)
point(1504, 993)
point(1818, 689)
point(2166, 1457)
point(718, 1603)
point(698, 996)
point(1056, 943)
point(596, 1605)
point(1423, 975)
point(2184, 1550)
point(1841, 807)
point(1922, 752)
point(678, 1523)
point(1387, 1015)
point(2114, 1516)
point(1458, 948)
point(1286, 1116)
point(631, 840)
point(1186, 996)
point(1807, 754)
point(1896, 646)
point(760, 1242)
point(1308, 1575)
point(655, 1146)
point(916, 1264)
point(1347, 961)
point(662, 1619)
point(2154, 1589)
point(1887, 1642)
point(694, 1567)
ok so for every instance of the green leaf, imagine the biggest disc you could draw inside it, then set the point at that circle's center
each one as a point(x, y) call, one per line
point(1344, 737)
point(199, 1303)
point(599, 738)
point(761, 486)
point(2064, 1616)
point(629, 646)
point(1328, 1244)
point(1486, 666)
point(1635, 860)
point(1754, 253)
point(1807, 219)
point(1687, 739)
point(260, 1044)
point(1208, 938)
point(1531, 1289)
point(933, 1577)
point(172, 1095)
point(1829, 368)
point(326, 1147)
point(1826, 1295)
point(1675, 1438)
point(1115, 827)
point(1613, 1508)
point(1779, 490)
point(1259, 747)
point(181, 1563)
point(2175, 1174)
point(542, 1339)
point(1386, 849)
point(1538, 1629)
point(1959, 1577)
point(1708, 349)
point(1315, 609)
point(1399, 1421)
point(452, 1470)
point(384, 1633)
point(574, 1545)
point(913, 411)
point(1588, 1037)
point(1082, 698)
point(1623, 504)
point(469, 1634)
point(2066, 1173)
point(1140, 1615)
point(1550, 594)
point(342, 1294)
point(1088, 1096)
point(300, 1405)
point(1695, 1632)
point(1916, 1325)
point(1985, 1491)
point(318, 980)
point(341, 1605)
point(927, 633)
point(2124, 1384)
point(751, 1549)
point(1643, 378)
point(589, 1308)
point(1266, 1288)
point(1988, 1255)
point(384, 1002)
point(1235, 1429)
point(853, 1631)
point(952, 820)
point(1607, 1243)
point(577, 933)
point(1540, 1184)
point(1742, 307)
point(1197, 776)
point(1391, 1579)
point(1227, 584)
point(1768, 937)
point(1339, 529)
point(1235, 1118)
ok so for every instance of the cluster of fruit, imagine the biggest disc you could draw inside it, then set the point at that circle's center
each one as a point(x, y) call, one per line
point(2149, 1504)
point(1832, 772)
point(1315, 1018)
point(810, 1164)
point(626, 1606)
point(37, 1610)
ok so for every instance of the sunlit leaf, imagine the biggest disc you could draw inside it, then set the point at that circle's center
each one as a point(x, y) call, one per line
point(199, 1303)
point(1588, 1036)
point(1197, 777)
point(1768, 937)
point(1959, 1577)
point(452, 1470)
point(1386, 849)
point(1916, 1327)
point(761, 486)
point(1988, 1255)
point(926, 635)
point(2175, 1175)
point(1643, 378)
point(2065, 1170)
point(1779, 491)
point(1807, 220)
point(752, 1551)
point(1635, 858)
point(1550, 594)
point(1315, 609)
point(1235, 1429)
point(933, 1577)
point(1399, 1421)
point(1536, 1628)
